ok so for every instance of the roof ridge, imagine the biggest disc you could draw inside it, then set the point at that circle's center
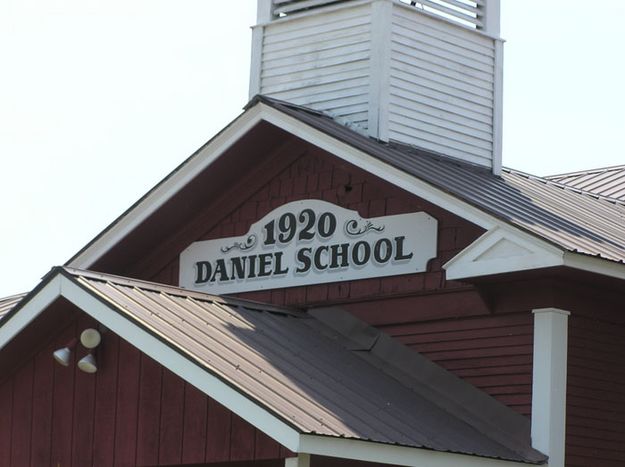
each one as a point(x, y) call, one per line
point(13, 297)
point(564, 186)
point(588, 171)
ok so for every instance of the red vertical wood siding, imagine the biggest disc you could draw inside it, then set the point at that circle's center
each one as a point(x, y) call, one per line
point(22, 415)
point(148, 413)
point(195, 426)
point(62, 406)
point(105, 411)
point(501, 367)
point(424, 310)
point(42, 408)
point(131, 412)
point(492, 352)
point(595, 431)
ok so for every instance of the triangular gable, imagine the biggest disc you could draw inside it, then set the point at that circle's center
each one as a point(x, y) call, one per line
point(341, 145)
point(122, 314)
point(501, 251)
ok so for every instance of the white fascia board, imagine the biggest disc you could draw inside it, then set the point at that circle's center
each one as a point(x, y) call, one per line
point(168, 188)
point(181, 366)
point(12, 326)
point(393, 454)
point(596, 265)
point(502, 250)
point(215, 148)
point(61, 286)
point(237, 129)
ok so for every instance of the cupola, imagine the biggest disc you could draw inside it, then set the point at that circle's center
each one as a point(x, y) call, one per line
point(424, 73)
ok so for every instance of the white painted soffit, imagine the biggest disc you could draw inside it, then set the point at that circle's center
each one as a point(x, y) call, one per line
point(216, 147)
point(61, 284)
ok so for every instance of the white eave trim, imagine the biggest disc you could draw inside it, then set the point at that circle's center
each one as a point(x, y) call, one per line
point(261, 112)
point(393, 454)
point(167, 189)
point(61, 286)
point(593, 264)
point(505, 249)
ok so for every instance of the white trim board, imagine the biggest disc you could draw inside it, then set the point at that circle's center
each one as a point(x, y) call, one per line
point(60, 285)
point(166, 355)
point(262, 112)
point(502, 250)
point(396, 455)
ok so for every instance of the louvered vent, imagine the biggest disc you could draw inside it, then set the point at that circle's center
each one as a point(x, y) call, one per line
point(425, 73)
point(465, 12)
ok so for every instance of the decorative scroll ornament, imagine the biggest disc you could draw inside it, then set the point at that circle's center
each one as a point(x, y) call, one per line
point(249, 243)
point(354, 228)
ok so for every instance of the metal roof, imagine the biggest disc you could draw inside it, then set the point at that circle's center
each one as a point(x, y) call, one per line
point(302, 371)
point(7, 303)
point(570, 219)
point(608, 182)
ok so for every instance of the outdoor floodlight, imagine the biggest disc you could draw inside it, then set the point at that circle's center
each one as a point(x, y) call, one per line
point(90, 338)
point(88, 364)
point(64, 354)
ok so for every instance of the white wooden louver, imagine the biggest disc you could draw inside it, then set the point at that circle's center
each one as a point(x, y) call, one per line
point(465, 12)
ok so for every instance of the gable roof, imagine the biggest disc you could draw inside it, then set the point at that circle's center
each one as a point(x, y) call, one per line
point(570, 220)
point(7, 303)
point(606, 182)
point(566, 220)
point(292, 371)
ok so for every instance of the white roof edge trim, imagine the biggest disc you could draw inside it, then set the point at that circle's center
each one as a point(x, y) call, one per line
point(261, 111)
point(12, 326)
point(501, 250)
point(156, 349)
point(168, 188)
point(393, 454)
point(380, 168)
point(592, 264)
point(242, 124)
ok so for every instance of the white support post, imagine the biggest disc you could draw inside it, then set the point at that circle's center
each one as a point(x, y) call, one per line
point(302, 460)
point(549, 383)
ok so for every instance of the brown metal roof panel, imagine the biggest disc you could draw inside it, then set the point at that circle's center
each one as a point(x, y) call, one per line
point(221, 349)
point(7, 303)
point(309, 379)
point(608, 181)
point(576, 221)
point(210, 349)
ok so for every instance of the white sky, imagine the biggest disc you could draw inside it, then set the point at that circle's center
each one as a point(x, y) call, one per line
point(100, 99)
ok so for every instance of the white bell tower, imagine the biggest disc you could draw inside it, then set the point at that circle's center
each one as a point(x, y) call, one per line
point(425, 73)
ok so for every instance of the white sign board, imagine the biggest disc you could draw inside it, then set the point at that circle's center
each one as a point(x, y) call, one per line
point(310, 242)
